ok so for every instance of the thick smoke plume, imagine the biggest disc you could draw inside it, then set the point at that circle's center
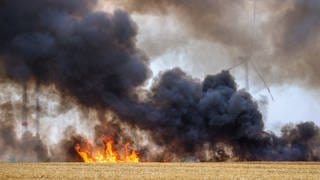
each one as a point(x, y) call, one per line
point(92, 57)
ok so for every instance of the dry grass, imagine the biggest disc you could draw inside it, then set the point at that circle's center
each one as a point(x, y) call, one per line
point(160, 171)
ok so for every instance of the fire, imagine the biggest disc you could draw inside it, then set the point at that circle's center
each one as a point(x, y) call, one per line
point(108, 154)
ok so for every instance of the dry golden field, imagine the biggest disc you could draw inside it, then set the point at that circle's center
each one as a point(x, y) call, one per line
point(160, 171)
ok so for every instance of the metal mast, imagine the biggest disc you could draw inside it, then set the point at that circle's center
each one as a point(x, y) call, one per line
point(246, 67)
point(24, 113)
point(37, 120)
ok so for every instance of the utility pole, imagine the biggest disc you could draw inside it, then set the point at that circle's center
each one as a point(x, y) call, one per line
point(246, 65)
point(24, 112)
point(245, 61)
point(37, 120)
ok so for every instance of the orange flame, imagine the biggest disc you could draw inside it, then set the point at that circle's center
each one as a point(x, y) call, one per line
point(90, 155)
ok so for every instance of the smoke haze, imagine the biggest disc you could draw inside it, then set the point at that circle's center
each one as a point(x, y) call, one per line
point(281, 37)
point(91, 59)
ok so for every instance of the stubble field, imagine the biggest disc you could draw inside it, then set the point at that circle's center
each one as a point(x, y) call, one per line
point(245, 170)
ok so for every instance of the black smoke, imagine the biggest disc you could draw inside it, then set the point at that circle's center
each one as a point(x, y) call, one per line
point(92, 57)
point(184, 114)
point(65, 42)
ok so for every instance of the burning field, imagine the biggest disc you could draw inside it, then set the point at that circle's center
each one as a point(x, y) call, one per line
point(61, 59)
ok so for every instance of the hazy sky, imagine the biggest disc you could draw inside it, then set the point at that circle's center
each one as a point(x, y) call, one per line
point(169, 41)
